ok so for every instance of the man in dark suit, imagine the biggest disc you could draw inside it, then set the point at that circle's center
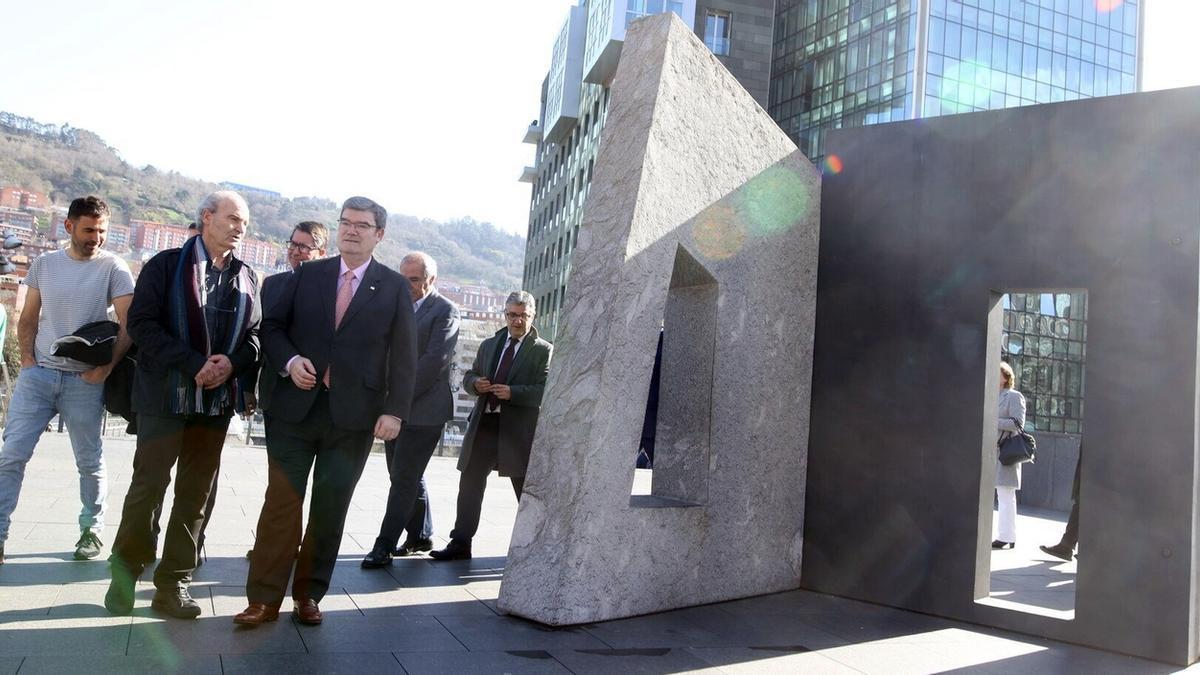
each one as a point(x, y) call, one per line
point(194, 317)
point(433, 406)
point(509, 377)
point(343, 331)
point(307, 242)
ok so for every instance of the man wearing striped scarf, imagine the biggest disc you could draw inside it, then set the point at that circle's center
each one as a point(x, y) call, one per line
point(195, 319)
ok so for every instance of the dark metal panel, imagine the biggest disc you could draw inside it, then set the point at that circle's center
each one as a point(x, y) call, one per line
point(925, 224)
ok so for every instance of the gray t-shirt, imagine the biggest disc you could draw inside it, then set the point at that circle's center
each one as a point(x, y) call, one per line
point(74, 292)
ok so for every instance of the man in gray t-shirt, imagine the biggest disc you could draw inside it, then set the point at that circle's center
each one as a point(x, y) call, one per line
point(65, 290)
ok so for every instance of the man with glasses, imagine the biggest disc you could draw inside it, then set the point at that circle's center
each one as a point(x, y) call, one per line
point(508, 378)
point(306, 243)
point(343, 331)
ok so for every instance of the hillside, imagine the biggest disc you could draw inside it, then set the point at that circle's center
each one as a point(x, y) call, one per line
point(64, 163)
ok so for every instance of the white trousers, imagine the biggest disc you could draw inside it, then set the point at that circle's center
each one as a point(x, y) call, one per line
point(1006, 499)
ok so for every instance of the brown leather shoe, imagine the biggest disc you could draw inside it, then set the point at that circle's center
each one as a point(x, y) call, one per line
point(307, 611)
point(257, 613)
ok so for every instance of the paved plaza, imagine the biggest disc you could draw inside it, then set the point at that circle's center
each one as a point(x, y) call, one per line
point(422, 616)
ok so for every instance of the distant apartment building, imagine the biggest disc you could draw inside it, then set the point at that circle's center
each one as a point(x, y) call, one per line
point(26, 234)
point(574, 107)
point(263, 256)
point(11, 217)
point(119, 238)
point(474, 301)
point(149, 235)
point(20, 198)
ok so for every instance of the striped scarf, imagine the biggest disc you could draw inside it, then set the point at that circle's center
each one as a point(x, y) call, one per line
point(186, 299)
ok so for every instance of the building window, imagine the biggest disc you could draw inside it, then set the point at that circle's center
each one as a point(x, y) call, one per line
point(636, 9)
point(1045, 341)
point(716, 32)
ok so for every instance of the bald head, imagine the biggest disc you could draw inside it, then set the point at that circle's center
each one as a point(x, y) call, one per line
point(420, 270)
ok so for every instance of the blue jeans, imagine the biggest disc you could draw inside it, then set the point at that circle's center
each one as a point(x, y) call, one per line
point(39, 394)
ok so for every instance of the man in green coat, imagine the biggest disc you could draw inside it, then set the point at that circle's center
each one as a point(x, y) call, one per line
point(508, 378)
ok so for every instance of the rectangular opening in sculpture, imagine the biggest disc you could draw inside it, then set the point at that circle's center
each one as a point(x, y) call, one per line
point(682, 427)
point(1037, 341)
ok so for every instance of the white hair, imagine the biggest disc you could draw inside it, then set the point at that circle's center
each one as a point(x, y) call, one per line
point(213, 202)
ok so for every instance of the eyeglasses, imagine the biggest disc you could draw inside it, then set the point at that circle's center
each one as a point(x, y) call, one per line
point(513, 316)
point(303, 248)
point(357, 227)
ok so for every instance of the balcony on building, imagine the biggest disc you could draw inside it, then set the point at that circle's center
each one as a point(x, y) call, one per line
point(533, 134)
point(529, 174)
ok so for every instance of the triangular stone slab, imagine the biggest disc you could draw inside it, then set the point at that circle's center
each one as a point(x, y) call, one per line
point(698, 201)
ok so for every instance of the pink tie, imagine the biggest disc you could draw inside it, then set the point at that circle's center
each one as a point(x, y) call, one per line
point(344, 296)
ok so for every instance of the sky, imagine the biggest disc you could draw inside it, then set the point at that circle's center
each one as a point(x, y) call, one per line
point(420, 105)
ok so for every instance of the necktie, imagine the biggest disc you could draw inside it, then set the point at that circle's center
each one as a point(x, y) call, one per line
point(501, 377)
point(344, 296)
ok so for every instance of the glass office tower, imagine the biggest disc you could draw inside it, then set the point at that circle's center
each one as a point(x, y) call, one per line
point(845, 63)
point(842, 63)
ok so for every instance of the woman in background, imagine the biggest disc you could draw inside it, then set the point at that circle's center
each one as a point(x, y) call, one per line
point(1008, 478)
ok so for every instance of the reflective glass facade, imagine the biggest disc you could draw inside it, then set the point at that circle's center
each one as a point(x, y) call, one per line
point(1044, 340)
point(987, 54)
point(841, 63)
point(851, 62)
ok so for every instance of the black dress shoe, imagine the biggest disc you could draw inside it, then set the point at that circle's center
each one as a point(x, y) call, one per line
point(413, 547)
point(1003, 544)
point(176, 602)
point(455, 550)
point(378, 557)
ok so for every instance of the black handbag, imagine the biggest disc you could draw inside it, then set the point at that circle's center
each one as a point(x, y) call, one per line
point(1018, 447)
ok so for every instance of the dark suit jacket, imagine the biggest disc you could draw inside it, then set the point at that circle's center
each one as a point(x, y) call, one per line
point(372, 354)
point(437, 335)
point(158, 351)
point(518, 417)
point(272, 288)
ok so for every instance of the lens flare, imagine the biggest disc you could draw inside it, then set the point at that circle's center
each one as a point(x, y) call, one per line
point(1106, 6)
point(718, 232)
point(832, 165)
point(773, 201)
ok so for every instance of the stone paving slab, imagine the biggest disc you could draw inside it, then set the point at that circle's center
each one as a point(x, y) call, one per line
point(492, 633)
point(347, 633)
point(423, 616)
point(310, 664)
point(481, 662)
point(631, 661)
point(131, 665)
point(771, 661)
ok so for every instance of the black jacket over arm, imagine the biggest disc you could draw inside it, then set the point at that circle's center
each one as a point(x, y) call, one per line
point(372, 356)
